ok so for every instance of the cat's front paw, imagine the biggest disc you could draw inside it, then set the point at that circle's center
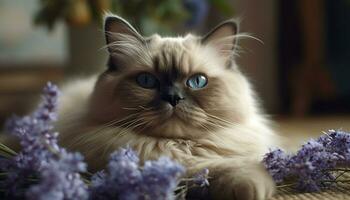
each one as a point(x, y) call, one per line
point(250, 187)
point(252, 183)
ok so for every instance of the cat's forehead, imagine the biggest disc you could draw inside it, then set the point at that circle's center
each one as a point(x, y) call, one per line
point(175, 55)
point(170, 56)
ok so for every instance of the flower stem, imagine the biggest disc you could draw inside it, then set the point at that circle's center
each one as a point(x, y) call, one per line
point(286, 185)
point(6, 151)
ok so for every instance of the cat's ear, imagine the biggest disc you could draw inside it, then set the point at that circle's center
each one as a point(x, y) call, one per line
point(118, 29)
point(222, 38)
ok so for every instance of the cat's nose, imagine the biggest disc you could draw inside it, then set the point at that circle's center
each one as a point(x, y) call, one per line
point(171, 95)
point(172, 99)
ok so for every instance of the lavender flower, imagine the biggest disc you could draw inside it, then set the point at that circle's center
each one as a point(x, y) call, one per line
point(337, 141)
point(276, 163)
point(311, 166)
point(160, 178)
point(99, 188)
point(125, 176)
point(41, 157)
point(127, 180)
point(35, 131)
point(60, 179)
point(201, 178)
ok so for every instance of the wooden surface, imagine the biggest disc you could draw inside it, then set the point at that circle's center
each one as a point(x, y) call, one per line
point(20, 88)
point(339, 192)
point(296, 131)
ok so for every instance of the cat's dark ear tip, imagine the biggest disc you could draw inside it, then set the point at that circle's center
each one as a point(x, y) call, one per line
point(225, 28)
point(116, 24)
point(234, 24)
point(110, 18)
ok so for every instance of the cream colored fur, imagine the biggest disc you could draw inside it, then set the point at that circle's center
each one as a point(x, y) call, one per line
point(232, 152)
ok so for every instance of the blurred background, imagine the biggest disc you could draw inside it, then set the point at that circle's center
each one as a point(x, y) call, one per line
point(301, 71)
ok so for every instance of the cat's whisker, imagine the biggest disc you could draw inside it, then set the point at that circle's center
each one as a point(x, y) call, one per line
point(239, 36)
point(130, 126)
point(137, 108)
point(204, 127)
point(150, 108)
point(212, 119)
point(219, 118)
point(219, 109)
point(224, 125)
point(145, 125)
point(115, 122)
point(121, 132)
point(125, 108)
point(96, 133)
point(136, 123)
point(215, 124)
point(249, 36)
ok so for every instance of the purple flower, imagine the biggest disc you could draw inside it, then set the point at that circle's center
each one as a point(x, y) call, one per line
point(124, 174)
point(35, 131)
point(337, 142)
point(41, 159)
point(60, 179)
point(100, 188)
point(276, 163)
point(124, 154)
point(161, 177)
point(127, 180)
point(201, 178)
point(311, 166)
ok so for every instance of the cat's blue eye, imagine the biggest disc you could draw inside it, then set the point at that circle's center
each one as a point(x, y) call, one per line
point(147, 80)
point(197, 81)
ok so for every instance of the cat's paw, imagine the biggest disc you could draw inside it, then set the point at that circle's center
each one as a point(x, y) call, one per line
point(254, 186)
point(252, 183)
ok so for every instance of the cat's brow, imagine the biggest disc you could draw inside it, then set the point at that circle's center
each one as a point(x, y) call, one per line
point(156, 63)
point(168, 62)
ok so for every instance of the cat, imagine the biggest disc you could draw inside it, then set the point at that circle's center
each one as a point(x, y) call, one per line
point(182, 97)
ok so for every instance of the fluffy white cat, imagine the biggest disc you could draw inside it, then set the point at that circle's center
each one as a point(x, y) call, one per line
point(182, 97)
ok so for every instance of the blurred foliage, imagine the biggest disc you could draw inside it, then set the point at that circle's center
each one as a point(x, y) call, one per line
point(149, 16)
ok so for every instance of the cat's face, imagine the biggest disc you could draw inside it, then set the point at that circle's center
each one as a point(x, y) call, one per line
point(170, 87)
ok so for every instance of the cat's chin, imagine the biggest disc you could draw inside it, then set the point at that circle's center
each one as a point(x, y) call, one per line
point(171, 125)
point(171, 128)
point(169, 121)
point(180, 112)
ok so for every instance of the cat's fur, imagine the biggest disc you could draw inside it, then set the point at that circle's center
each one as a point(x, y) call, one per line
point(219, 127)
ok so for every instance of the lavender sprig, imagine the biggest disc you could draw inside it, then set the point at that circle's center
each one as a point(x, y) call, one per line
point(56, 170)
point(125, 179)
point(312, 167)
point(60, 179)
